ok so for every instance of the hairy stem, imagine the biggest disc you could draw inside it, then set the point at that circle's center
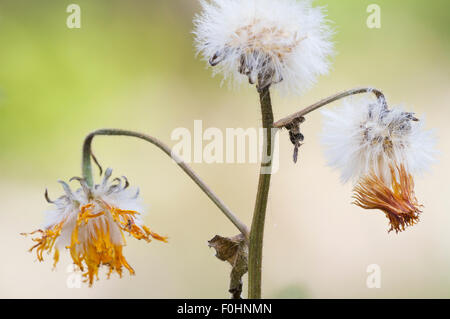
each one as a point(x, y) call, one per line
point(291, 118)
point(259, 214)
point(87, 169)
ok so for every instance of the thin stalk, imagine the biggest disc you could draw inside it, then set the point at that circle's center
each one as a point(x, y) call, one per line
point(291, 118)
point(87, 169)
point(259, 214)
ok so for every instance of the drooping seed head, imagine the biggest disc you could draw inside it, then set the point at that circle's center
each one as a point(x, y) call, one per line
point(364, 136)
point(91, 223)
point(381, 149)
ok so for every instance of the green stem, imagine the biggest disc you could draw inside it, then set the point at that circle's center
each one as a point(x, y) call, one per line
point(86, 165)
point(87, 169)
point(259, 214)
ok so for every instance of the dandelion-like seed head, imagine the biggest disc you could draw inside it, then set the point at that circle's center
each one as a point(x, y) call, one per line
point(364, 136)
point(91, 223)
point(381, 149)
point(284, 42)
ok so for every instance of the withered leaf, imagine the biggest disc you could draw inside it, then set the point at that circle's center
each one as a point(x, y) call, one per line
point(233, 250)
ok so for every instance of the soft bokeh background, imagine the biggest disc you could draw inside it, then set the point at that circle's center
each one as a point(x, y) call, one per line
point(132, 65)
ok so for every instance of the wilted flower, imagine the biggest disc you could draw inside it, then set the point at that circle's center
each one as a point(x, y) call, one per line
point(381, 149)
point(90, 222)
point(397, 200)
point(285, 42)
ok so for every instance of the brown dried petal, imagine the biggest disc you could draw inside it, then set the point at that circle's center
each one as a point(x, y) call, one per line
point(233, 250)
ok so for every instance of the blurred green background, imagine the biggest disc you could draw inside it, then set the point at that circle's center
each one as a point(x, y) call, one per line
point(132, 65)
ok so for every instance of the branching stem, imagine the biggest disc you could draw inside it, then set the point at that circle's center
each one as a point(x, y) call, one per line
point(291, 118)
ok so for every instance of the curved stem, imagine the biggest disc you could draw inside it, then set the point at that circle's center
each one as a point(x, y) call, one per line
point(291, 118)
point(87, 169)
point(259, 214)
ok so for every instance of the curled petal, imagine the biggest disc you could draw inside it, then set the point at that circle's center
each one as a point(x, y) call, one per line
point(97, 163)
point(83, 184)
point(126, 182)
point(119, 182)
point(137, 194)
point(115, 187)
point(216, 58)
point(108, 174)
point(47, 198)
point(67, 190)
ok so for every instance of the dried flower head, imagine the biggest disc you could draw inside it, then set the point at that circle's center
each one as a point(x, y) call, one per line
point(90, 222)
point(284, 42)
point(381, 149)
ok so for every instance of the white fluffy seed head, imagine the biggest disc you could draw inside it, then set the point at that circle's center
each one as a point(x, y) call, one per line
point(363, 136)
point(285, 43)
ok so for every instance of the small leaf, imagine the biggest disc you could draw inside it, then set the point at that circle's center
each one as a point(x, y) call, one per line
point(233, 250)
